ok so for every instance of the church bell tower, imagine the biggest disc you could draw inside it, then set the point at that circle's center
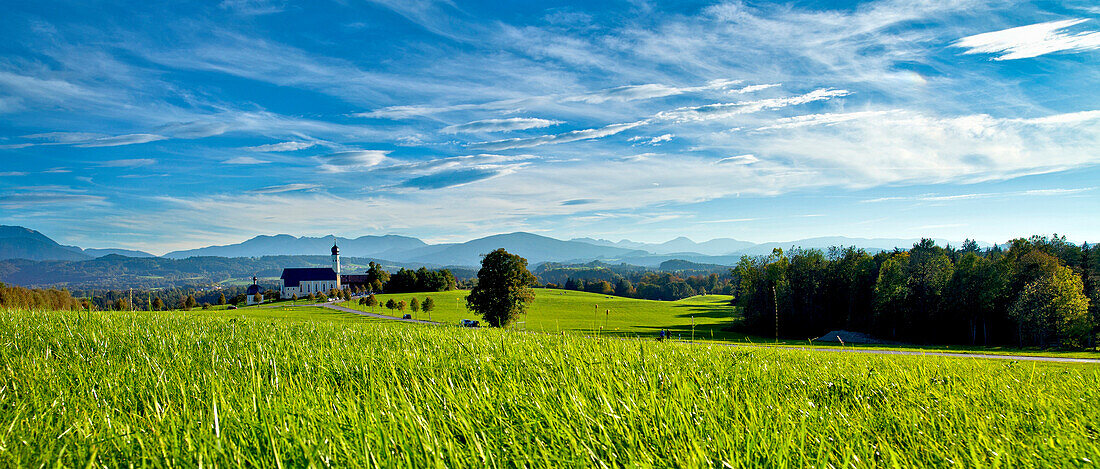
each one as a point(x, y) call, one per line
point(336, 262)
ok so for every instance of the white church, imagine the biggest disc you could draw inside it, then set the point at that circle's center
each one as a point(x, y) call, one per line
point(303, 281)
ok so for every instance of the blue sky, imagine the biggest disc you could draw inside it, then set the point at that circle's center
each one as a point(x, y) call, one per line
point(161, 126)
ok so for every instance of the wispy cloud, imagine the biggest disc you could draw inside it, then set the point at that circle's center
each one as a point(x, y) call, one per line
point(573, 136)
point(352, 160)
point(130, 139)
point(282, 146)
point(245, 160)
point(285, 188)
point(1031, 41)
point(739, 159)
point(501, 125)
point(983, 195)
point(820, 119)
point(128, 163)
point(727, 110)
point(648, 91)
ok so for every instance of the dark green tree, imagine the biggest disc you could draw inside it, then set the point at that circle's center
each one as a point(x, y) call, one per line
point(503, 288)
point(221, 299)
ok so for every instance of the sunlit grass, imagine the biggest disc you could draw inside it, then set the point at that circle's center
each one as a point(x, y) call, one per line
point(231, 389)
point(592, 314)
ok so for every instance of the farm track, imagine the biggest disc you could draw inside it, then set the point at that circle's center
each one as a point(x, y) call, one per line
point(379, 316)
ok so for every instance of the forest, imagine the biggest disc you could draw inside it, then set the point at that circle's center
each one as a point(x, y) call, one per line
point(1038, 291)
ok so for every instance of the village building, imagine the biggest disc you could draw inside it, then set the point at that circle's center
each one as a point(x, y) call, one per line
point(304, 281)
point(255, 293)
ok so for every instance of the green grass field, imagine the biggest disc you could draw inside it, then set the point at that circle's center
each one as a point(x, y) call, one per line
point(590, 313)
point(311, 387)
point(714, 319)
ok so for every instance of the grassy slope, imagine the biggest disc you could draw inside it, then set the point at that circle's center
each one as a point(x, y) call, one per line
point(229, 389)
point(558, 310)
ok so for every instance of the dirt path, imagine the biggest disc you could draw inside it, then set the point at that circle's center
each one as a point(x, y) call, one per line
point(379, 316)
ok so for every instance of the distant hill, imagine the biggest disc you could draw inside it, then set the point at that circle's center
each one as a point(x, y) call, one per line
point(17, 242)
point(714, 247)
point(535, 248)
point(287, 245)
point(118, 252)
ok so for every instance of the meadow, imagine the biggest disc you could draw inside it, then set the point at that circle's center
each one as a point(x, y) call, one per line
point(704, 318)
point(314, 387)
point(589, 313)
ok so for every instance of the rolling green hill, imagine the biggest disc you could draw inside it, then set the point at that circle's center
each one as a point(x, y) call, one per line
point(565, 310)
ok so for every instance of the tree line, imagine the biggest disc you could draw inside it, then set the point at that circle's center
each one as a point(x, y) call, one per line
point(15, 297)
point(1037, 291)
point(665, 286)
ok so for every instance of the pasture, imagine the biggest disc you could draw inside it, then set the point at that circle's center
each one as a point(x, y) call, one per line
point(590, 313)
point(312, 387)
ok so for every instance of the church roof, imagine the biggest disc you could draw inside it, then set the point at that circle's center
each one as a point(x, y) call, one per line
point(254, 289)
point(292, 277)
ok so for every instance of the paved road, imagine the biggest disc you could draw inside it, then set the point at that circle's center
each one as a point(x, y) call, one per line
point(934, 354)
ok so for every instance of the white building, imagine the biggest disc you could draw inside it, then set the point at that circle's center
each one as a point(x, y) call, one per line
point(255, 293)
point(303, 281)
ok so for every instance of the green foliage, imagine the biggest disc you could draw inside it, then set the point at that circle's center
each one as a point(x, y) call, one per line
point(221, 298)
point(391, 304)
point(428, 305)
point(1053, 308)
point(503, 288)
point(928, 294)
point(414, 305)
point(421, 280)
point(12, 297)
point(272, 390)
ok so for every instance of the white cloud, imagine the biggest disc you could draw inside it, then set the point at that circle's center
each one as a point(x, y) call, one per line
point(243, 160)
point(727, 110)
point(64, 137)
point(573, 136)
point(283, 146)
point(753, 88)
point(820, 119)
point(501, 125)
point(1031, 41)
point(129, 139)
point(646, 91)
point(285, 188)
point(739, 159)
point(355, 160)
point(985, 195)
point(128, 163)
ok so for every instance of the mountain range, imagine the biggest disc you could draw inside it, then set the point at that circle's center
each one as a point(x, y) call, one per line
point(22, 243)
point(17, 242)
